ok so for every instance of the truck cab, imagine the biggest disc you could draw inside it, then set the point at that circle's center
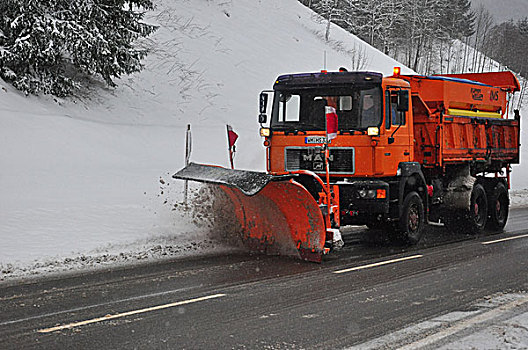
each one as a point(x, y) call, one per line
point(373, 116)
point(374, 137)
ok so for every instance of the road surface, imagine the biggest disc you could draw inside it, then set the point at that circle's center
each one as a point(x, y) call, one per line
point(448, 288)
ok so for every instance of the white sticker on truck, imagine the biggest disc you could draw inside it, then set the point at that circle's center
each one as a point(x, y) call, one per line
point(314, 140)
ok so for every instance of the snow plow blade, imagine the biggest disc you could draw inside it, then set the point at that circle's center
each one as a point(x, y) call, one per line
point(276, 214)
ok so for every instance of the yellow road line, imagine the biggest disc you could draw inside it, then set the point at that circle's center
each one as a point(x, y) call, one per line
point(128, 313)
point(505, 239)
point(379, 264)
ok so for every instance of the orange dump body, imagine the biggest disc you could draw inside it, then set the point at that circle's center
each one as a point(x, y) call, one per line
point(457, 120)
point(457, 93)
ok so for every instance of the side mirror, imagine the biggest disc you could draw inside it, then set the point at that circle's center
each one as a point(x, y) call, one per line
point(403, 100)
point(262, 118)
point(390, 140)
point(263, 103)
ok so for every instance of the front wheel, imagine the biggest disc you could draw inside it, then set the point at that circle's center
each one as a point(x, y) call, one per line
point(412, 219)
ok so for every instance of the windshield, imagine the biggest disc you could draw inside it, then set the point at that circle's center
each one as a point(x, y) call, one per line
point(304, 110)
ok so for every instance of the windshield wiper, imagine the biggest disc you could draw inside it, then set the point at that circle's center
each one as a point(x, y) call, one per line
point(309, 125)
point(294, 131)
point(298, 128)
point(352, 131)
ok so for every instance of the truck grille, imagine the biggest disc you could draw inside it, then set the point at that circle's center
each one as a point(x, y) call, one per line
point(310, 158)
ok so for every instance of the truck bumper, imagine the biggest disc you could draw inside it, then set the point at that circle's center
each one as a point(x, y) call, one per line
point(360, 201)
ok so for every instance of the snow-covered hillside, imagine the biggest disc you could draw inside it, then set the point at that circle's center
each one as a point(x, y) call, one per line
point(80, 180)
point(86, 181)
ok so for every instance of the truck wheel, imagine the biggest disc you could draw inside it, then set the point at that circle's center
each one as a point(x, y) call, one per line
point(477, 216)
point(412, 219)
point(498, 208)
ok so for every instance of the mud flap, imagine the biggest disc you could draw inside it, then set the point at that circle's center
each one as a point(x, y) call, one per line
point(276, 214)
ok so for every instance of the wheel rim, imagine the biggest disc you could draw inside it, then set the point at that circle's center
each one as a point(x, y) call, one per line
point(414, 218)
point(478, 208)
point(500, 209)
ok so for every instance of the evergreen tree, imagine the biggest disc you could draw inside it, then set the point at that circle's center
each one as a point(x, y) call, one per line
point(43, 44)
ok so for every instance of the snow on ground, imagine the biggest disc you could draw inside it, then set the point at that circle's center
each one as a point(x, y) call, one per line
point(86, 181)
point(497, 321)
point(519, 198)
point(80, 180)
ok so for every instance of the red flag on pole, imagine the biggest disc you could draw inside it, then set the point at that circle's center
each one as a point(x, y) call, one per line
point(331, 122)
point(231, 139)
point(232, 136)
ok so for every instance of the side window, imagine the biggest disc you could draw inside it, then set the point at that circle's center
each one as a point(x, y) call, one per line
point(370, 107)
point(345, 103)
point(388, 116)
point(289, 107)
point(397, 118)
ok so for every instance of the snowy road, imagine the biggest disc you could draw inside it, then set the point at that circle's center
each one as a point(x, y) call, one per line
point(445, 292)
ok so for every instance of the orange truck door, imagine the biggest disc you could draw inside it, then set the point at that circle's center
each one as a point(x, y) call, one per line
point(395, 143)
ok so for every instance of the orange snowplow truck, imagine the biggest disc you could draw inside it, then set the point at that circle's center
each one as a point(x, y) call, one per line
point(410, 150)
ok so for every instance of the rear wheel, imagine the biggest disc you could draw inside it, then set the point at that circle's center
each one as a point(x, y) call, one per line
point(498, 208)
point(411, 222)
point(472, 220)
point(477, 216)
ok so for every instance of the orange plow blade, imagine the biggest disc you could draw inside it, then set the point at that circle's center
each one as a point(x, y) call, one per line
point(276, 214)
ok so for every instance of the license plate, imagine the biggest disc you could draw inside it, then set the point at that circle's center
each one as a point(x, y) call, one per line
point(310, 140)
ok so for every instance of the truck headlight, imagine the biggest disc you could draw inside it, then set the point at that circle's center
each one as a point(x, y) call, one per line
point(265, 132)
point(373, 131)
point(372, 193)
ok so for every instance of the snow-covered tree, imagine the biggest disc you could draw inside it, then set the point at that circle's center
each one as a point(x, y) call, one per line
point(44, 44)
point(416, 32)
point(483, 25)
point(374, 21)
point(332, 11)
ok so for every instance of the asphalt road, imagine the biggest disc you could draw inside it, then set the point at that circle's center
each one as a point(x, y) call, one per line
point(361, 293)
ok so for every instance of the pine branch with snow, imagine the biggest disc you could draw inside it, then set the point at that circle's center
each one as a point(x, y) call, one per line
point(44, 44)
